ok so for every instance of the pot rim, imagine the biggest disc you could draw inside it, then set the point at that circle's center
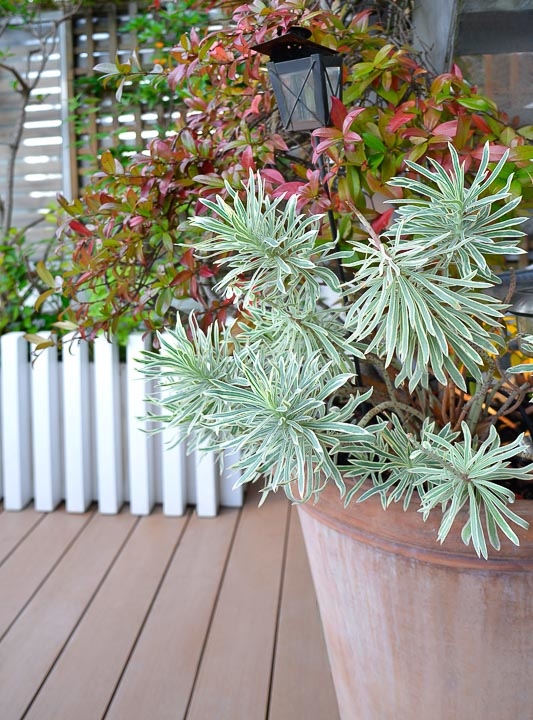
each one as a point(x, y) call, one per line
point(405, 533)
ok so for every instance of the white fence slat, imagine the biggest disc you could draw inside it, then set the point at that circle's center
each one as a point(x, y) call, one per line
point(158, 459)
point(109, 461)
point(174, 469)
point(78, 461)
point(207, 484)
point(174, 474)
point(141, 469)
point(190, 477)
point(122, 414)
point(48, 491)
point(73, 431)
point(16, 422)
point(229, 496)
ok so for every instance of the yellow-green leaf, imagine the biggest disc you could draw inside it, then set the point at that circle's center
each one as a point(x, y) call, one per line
point(354, 181)
point(45, 275)
point(42, 297)
point(526, 131)
point(39, 341)
point(107, 162)
point(477, 102)
point(382, 55)
point(65, 325)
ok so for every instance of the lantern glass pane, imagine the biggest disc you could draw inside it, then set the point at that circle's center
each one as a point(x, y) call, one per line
point(333, 85)
point(303, 89)
point(331, 82)
point(297, 85)
point(299, 92)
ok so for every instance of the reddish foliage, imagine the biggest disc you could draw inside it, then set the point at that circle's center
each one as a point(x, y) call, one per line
point(129, 230)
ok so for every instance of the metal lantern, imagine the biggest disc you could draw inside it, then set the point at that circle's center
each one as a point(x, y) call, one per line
point(304, 77)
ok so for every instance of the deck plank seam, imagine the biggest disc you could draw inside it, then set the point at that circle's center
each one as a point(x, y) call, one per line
point(48, 574)
point(148, 611)
point(82, 614)
point(213, 611)
point(278, 613)
point(23, 538)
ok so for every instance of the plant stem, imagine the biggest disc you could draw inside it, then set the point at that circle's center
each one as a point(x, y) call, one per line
point(471, 412)
point(389, 405)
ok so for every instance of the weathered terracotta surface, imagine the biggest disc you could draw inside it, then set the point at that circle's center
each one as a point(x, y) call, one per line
point(416, 630)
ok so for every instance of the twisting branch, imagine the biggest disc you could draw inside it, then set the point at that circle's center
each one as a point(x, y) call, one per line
point(18, 77)
point(399, 407)
point(24, 88)
point(472, 408)
point(372, 234)
point(389, 405)
point(512, 403)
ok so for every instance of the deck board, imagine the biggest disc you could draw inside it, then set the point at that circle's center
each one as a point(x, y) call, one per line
point(14, 526)
point(96, 654)
point(121, 618)
point(160, 675)
point(302, 686)
point(34, 642)
point(234, 677)
point(36, 555)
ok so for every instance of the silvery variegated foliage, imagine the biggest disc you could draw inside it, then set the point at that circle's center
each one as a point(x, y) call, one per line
point(279, 384)
point(274, 248)
point(267, 388)
point(417, 290)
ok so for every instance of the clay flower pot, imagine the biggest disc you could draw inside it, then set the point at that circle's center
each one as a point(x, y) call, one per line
point(415, 629)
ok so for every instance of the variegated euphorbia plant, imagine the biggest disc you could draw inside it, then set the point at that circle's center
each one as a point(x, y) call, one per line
point(390, 386)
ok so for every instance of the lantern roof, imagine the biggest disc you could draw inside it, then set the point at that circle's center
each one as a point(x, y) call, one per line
point(292, 45)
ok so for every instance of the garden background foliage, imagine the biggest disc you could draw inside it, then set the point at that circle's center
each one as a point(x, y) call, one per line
point(131, 249)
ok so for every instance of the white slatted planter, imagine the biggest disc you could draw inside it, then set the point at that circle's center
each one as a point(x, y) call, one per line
point(77, 429)
point(108, 436)
point(206, 476)
point(70, 430)
point(174, 468)
point(140, 443)
point(45, 401)
point(230, 496)
point(16, 421)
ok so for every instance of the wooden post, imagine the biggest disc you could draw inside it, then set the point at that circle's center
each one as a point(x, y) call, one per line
point(434, 25)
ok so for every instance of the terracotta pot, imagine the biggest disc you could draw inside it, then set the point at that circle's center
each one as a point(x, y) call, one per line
point(417, 630)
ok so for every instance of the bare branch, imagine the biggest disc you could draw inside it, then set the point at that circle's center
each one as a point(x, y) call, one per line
point(18, 77)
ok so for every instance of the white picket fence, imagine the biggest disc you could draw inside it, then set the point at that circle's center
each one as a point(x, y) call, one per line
point(70, 431)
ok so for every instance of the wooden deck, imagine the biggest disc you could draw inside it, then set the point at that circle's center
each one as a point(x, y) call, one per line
point(129, 618)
